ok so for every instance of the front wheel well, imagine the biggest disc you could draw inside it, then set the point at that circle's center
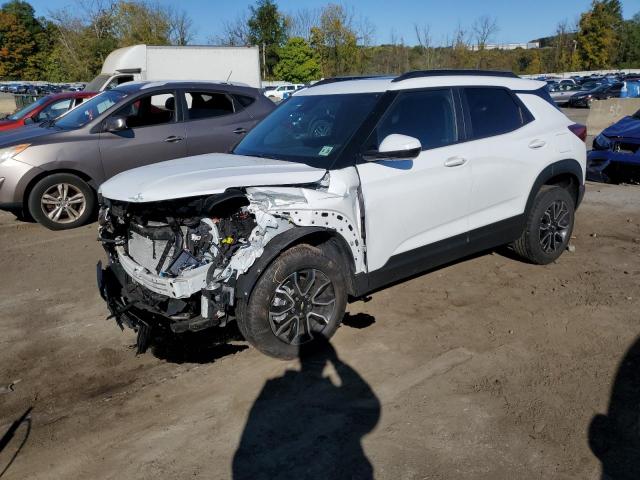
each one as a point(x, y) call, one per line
point(328, 241)
point(40, 176)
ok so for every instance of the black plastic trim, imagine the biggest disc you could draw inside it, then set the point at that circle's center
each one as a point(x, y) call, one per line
point(346, 79)
point(422, 259)
point(461, 72)
point(275, 247)
point(569, 166)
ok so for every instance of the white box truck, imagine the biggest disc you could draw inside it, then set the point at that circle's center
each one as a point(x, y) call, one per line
point(201, 63)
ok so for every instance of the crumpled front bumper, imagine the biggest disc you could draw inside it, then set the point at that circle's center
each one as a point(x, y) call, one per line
point(611, 166)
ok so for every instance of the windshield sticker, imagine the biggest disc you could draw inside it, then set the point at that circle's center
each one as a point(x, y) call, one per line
point(325, 151)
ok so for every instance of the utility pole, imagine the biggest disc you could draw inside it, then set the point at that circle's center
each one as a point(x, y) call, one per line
point(264, 61)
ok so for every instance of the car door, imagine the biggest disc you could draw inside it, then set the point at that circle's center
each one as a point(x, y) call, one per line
point(505, 149)
point(413, 203)
point(153, 134)
point(215, 121)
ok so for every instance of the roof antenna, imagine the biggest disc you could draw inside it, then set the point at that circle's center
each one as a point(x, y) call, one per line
point(229, 76)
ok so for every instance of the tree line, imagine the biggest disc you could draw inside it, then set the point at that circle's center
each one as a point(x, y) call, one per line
point(304, 45)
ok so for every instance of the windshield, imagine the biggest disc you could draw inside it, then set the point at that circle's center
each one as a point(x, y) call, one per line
point(28, 109)
point(309, 129)
point(89, 110)
point(97, 83)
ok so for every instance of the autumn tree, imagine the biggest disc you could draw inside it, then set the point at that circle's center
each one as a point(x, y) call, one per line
point(298, 62)
point(335, 41)
point(598, 38)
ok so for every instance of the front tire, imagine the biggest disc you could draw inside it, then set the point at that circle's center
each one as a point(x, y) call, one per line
point(299, 300)
point(549, 226)
point(61, 201)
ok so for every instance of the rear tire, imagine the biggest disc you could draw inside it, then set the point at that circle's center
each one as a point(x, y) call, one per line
point(549, 226)
point(298, 301)
point(62, 201)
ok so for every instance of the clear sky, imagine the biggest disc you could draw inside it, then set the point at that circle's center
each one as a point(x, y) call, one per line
point(518, 21)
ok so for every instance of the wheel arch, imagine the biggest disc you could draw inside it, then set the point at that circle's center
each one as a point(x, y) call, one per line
point(564, 173)
point(327, 240)
point(29, 187)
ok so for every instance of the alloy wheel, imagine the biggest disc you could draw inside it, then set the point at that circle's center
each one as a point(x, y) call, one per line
point(302, 306)
point(554, 226)
point(63, 203)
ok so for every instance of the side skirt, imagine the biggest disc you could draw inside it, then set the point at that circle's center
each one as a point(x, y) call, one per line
point(408, 264)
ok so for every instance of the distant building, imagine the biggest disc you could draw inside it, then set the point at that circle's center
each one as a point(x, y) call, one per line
point(506, 46)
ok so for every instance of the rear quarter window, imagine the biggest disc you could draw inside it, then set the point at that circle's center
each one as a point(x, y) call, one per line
point(493, 111)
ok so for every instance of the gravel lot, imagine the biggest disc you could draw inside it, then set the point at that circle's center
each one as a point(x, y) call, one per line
point(489, 368)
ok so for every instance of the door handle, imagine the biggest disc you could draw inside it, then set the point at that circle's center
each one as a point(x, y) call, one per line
point(455, 162)
point(537, 143)
point(173, 139)
point(240, 130)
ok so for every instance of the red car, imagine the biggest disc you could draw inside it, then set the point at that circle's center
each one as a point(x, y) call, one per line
point(45, 108)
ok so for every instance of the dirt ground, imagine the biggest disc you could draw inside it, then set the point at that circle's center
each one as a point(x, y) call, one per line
point(489, 368)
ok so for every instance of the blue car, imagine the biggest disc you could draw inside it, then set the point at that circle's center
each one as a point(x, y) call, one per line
point(615, 157)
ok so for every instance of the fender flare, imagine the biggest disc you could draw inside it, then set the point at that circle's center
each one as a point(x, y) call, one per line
point(275, 247)
point(569, 166)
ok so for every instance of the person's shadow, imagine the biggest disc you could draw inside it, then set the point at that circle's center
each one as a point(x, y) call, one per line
point(304, 426)
point(615, 438)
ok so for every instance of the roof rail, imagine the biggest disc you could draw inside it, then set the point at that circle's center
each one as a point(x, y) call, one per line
point(461, 72)
point(345, 79)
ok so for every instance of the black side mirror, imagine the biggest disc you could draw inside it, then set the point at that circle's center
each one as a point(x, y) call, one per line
point(115, 124)
point(28, 121)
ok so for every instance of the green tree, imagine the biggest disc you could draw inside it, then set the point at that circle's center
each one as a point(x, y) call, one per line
point(598, 37)
point(24, 41)
point(629, 53)
point(267, 29)
point(335, 42)
point(298, 62)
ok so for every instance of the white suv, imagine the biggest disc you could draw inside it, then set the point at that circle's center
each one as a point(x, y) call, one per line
point(283, 91)
point(345, 188)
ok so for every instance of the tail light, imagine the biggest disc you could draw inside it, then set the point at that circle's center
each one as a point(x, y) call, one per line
point(579, 131)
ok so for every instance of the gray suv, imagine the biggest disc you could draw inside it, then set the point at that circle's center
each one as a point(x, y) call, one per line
point(52, 171)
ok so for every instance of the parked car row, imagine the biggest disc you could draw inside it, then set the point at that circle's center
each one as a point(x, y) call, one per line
point(575, 95)
point(40, 89)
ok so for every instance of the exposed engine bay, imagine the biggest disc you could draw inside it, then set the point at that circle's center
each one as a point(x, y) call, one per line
point(175, 263)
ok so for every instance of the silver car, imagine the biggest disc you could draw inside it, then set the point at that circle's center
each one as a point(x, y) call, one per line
point(562, 92)
point(51, 172)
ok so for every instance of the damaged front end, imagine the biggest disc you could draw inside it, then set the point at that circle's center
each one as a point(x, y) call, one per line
point(615, 157)
point(173, 264)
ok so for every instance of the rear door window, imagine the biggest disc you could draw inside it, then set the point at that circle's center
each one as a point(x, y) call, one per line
point(493, 111)
point(426, 115)
point(208, 104)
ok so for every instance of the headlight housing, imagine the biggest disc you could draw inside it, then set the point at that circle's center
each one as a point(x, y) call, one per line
point(10, 152)
point(602, 142)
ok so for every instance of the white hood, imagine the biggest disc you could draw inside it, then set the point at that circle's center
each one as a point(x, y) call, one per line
point(204, 175)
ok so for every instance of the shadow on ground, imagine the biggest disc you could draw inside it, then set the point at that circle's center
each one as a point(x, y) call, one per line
point(615, 437)
point(359, 320)
point(6, 440)
point(206, 346)
point(303, 425)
